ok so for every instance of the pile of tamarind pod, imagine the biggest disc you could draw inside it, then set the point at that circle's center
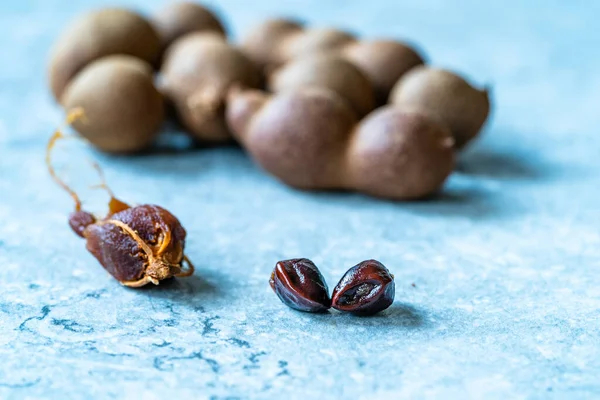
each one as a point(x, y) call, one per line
point(318, 108)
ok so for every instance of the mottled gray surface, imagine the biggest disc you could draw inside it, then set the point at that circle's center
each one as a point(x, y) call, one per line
point(505, 264)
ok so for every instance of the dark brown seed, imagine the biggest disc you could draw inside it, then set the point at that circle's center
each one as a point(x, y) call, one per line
point(299, 285)
point(365, 289)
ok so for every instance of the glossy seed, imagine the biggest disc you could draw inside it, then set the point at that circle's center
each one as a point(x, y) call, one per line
point(365, 289)
point(299, 285)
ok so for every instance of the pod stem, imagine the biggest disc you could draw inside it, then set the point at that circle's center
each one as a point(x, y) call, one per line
point(74, 115)
point(188, 271)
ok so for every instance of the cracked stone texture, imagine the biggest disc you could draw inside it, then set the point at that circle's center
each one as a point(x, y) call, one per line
point(506, 295)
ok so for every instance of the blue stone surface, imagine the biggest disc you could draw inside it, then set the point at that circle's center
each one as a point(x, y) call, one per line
point(498, 289)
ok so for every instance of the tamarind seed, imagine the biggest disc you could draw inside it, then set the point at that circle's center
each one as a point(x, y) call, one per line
point(365, 289)
point(299, 284)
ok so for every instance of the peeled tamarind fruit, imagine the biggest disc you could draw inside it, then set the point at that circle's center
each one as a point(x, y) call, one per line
point(330, 71)
point(309, 138)
point(123, 109)
point(198, 70)
point(278, 41)
point(446, 96)
point(182, 17)
point(98, 34)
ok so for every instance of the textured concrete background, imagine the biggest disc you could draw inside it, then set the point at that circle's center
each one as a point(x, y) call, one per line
point(506, 302)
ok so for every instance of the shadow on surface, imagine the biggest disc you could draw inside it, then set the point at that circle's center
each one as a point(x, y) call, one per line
point(505, 154)
point(193, 291)
point(464, 197)
point(459, 201)
point(495, 163)
point(177, 143)
point(398, 315)
point(463, 202)
point(189, 162)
